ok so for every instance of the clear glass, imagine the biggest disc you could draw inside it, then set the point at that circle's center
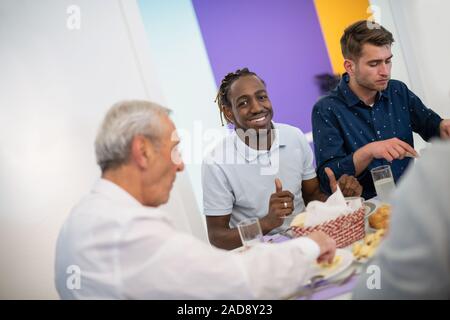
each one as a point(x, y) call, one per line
point(383, 181)
point(250, 232)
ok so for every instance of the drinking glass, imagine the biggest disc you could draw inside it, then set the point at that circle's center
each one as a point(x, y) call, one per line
point(250, 232)
point(383, 181)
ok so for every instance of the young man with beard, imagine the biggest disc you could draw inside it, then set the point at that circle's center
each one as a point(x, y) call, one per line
point(369, 120)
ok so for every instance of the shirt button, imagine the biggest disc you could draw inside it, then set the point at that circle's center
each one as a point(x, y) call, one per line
point(378, 132)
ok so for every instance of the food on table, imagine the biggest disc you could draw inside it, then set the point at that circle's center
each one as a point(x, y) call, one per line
point(299, 220)
point(367, 248)
point(380, 219)
point(335, 263)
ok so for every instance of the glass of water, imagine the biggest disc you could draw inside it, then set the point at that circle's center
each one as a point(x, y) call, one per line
point(383, 181)
point(250, 232)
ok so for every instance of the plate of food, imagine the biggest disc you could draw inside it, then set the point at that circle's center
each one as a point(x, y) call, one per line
point(364, 249)
point(342, 260)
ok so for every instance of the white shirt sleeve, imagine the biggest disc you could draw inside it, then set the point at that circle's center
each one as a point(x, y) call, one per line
point(166, 264)
point(309, 172)
point(309, 247)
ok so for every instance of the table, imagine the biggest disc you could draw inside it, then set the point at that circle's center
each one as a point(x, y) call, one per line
point(339, 292)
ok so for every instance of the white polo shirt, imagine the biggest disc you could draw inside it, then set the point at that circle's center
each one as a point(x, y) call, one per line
point(239, 180)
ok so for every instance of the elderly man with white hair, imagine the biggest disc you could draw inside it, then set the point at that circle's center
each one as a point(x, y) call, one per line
point(117, 244)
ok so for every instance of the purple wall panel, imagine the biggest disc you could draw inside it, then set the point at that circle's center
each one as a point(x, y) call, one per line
point(280, 40)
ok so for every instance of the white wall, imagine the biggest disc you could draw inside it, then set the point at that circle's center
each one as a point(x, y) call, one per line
point(421, 50)
point(424, 27)
point(56, 85)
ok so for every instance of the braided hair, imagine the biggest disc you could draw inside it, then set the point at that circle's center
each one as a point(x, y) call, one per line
point(225, 85)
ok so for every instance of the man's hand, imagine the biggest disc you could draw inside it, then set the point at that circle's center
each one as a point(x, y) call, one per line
point(349, 185)
point(281, 204)
point(391, 149)
point(326, 244)
point(444, 129)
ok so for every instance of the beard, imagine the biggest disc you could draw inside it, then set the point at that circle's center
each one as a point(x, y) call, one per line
point(371, 85)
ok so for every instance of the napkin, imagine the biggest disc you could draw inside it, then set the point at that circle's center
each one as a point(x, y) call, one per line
point(335, 206)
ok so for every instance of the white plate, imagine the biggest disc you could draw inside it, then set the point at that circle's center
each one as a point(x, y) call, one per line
point(346, 261)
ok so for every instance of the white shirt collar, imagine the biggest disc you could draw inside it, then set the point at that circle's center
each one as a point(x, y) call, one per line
point(114, 192)
point(251, 154)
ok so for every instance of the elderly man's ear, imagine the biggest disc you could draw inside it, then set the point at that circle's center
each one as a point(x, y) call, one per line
point(142, 152)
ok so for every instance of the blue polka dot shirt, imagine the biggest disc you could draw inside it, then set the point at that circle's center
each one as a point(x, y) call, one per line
point(342, 124)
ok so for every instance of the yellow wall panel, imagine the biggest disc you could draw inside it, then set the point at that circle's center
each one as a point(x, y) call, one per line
point(334, 17)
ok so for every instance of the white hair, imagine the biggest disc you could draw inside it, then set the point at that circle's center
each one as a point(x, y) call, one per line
point(125, 120)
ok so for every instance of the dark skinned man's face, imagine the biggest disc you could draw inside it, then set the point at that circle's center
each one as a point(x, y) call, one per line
point(250, 105)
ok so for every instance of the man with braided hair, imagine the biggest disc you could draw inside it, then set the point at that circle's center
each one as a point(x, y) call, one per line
point(262, 169)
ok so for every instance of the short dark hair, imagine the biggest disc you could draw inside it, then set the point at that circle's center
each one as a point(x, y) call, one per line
point(227, 81)
point(360, 33)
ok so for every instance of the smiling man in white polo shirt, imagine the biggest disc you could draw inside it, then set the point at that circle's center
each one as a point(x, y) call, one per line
point(262, 169)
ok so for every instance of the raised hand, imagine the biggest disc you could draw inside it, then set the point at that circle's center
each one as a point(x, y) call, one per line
point(281, 205)
point(349, 185)
point(332, 179)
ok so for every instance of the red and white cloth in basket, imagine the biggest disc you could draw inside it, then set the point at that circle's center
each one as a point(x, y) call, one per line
point(345, 229)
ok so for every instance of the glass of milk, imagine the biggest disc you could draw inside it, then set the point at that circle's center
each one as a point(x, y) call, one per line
point(383, 181)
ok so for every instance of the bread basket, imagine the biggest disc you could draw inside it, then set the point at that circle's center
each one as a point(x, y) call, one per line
point(345, 229)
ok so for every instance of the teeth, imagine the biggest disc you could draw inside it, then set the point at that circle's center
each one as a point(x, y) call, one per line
point(259, 119)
